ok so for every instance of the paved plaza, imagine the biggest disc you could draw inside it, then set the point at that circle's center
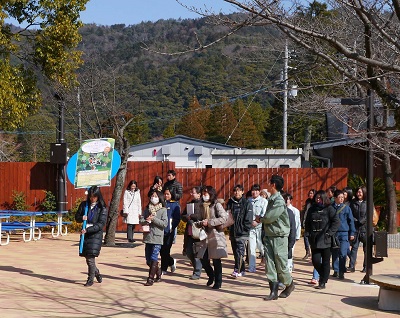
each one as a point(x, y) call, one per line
point(45, 279)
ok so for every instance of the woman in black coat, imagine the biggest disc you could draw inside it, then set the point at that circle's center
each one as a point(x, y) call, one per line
point(321, 225)
point(95, 217)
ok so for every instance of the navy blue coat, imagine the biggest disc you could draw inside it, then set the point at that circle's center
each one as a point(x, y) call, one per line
point(94, 234)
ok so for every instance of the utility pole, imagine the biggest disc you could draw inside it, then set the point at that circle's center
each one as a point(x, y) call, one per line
point(79, 118)
point(370, 186)
point(61, 195)
point(285, 96)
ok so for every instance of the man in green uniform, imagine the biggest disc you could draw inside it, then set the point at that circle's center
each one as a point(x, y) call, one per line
point(276, 231)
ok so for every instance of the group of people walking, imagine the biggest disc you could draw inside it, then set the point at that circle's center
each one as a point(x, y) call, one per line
point(269, 225)
point(334, 215)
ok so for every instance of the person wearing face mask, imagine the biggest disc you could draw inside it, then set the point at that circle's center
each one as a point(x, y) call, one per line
point(95, 217)
point(321, 225)
point(211, 215)
point(155, 217)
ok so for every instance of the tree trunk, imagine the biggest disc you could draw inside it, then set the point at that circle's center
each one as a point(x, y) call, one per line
point(390, 190)
point(112, 219)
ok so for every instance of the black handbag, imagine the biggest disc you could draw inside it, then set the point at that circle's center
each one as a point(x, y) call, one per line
point(335, 242)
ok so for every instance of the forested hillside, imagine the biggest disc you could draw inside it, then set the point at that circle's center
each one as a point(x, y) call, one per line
point(228, 92)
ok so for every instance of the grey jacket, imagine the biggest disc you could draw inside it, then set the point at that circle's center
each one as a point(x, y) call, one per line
point(156, 234)
point(216, 241)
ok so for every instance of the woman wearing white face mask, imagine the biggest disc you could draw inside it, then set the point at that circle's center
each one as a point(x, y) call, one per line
point(155, 217)
point(211, 214)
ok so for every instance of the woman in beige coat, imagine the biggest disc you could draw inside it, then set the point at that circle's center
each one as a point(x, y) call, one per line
point(211, 216)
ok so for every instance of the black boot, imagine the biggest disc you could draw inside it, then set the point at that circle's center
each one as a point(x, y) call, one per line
point(288, 290)
point(308, 254)
point(273, 286)
point(89, 282)
point(152, 273)
point(98, 276)
point(217, 274)
point(158, 274)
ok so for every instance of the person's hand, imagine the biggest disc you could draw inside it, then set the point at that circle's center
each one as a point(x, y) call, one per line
point(83, 231)
point(254, 223)
point(205, 222)
point(150, 218)
point(351, 237)
point(84, 217)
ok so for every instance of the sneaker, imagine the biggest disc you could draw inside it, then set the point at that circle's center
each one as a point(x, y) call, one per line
point(194, 277)
point(164, 273)
point(173, 267)
point(241, 274)
point(313, 282)
point(235, 274)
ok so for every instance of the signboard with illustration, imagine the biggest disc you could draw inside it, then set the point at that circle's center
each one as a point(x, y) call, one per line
point(94, 163)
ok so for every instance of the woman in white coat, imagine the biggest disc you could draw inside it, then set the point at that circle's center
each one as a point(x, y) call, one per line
point(132, 208)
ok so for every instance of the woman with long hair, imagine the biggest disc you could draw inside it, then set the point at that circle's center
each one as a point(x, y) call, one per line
point(321, 225)
point(211, 216)
point(96, 217)
point(358, 207)
point(188, 240)
point(132, 209)
point(307, 205)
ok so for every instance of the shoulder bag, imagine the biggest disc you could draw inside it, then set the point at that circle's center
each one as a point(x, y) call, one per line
point(335, 242)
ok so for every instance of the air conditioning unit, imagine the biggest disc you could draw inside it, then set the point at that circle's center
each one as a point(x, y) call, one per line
point(198, 150)
point(166, 150)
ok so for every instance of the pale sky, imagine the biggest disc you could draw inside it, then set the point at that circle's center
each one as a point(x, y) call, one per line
point(109, 12)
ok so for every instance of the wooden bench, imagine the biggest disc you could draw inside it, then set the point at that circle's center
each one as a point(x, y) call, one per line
point(389, 291)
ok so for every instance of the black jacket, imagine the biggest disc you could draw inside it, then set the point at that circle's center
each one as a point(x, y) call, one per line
point(359, 210)
point(242, 212)
point(175, 188)
point(321, 224)
point(292, 233)
point(94, 234)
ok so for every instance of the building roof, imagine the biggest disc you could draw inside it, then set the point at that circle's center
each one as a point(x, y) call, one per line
point(181, 139)
point(336, 143)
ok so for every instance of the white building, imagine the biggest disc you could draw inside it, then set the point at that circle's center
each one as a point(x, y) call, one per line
point(194, 153)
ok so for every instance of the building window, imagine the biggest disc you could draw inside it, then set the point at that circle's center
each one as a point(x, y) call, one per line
point(252, 166)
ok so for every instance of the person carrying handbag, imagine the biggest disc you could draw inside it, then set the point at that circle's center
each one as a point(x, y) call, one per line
point(212, 214)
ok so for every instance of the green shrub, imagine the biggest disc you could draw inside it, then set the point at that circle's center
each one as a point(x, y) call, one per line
point(19, 201)
point(49, 202)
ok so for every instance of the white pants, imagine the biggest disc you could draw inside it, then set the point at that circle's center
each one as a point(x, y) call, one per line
point(255, 242)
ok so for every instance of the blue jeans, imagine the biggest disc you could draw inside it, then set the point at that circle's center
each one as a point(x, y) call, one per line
point(151, 252)
point(339, 255)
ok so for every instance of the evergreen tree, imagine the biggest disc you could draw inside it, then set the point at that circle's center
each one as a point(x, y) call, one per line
point(221, 123)
point(138, 131)
point(191, 124)
point(246, 134)
point(169, 131)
